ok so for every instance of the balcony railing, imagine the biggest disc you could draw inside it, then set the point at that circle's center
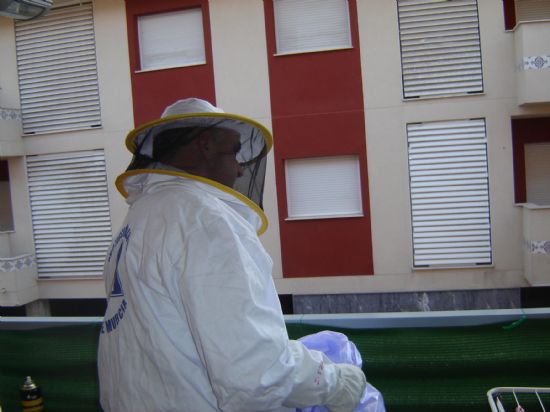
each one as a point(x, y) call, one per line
point(536, 232)
point(11, 142)
point(533, 58)
point(18, 276)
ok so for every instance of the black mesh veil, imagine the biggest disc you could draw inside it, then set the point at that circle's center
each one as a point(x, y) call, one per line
point(151, 143)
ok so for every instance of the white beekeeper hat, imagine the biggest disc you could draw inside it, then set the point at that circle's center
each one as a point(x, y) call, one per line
point(256, 140)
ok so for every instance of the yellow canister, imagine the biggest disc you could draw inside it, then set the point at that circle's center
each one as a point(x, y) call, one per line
point(31, 396)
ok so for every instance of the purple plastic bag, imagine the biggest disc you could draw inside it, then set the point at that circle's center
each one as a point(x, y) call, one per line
point(339, 349)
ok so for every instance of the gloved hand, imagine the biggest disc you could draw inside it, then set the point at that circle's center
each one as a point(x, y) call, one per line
point(350, 387)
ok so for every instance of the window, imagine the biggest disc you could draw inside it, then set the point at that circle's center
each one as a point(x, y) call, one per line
point(537, 173)
point(531, 144)
point(56, 62)
point(324, 187)
point(6, 215)
point(70, 213)
point(440, 47)
point(172, 39)
point(449, 191)
point(532, 10)
point(311, 25)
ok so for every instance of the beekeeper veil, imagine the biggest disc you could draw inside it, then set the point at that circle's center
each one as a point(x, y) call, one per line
point(185, 120)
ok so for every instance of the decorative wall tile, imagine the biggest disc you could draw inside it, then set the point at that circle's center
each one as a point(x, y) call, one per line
point(536, 247)
point(17, 263)
point(10, 114)
point(536, 62)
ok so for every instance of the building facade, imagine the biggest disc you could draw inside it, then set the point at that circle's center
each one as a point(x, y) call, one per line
point(411, 137)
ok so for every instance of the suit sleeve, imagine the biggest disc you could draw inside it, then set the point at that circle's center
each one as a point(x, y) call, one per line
point(239, 330)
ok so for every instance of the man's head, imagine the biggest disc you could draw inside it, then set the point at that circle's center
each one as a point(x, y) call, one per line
point(208, 152)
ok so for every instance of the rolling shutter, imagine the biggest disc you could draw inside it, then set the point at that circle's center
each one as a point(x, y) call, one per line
point(56, 62)
point(449, 191)
point(440, 47)
point(311, 25)
point(324, 187)
point(70, 213)
point(172, 39)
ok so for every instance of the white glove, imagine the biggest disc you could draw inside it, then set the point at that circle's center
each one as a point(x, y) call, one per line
point(351, 384)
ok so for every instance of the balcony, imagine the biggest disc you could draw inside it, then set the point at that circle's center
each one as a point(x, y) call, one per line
point(536, 232)
point(18, 275)
point(533, 57)
point(11, 142)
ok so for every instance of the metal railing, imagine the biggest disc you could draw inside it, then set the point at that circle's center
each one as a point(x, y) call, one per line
point(497, 403)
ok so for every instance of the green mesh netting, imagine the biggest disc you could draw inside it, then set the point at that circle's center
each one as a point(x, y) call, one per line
point(434, 369)
point(450, 369)
point(61, 360)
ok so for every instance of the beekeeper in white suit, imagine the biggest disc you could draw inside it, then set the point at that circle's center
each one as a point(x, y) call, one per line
point(193, 321)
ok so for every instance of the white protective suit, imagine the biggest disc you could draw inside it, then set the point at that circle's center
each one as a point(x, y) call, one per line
point(193, 321)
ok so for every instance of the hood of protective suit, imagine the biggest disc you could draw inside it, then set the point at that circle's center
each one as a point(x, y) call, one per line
point(137, 183)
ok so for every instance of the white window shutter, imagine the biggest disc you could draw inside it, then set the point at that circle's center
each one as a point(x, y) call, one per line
point(56, 62)
point(449, 191)
point(537, 173)
point(171, 39)
point(440, 47)
point(70, 213)
point(311, 25)
point(324, 187)
point(532, 10)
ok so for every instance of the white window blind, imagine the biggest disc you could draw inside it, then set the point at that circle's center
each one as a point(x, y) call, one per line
point(311, 25)
point(537, 173)
point(324, 187)
point(70, 213)
point(56, 62)
point(440, 47)
point(532, 10)
point(171, 39)
point(449, 191)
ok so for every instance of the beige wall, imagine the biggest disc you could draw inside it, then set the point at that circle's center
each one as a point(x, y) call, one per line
point(386, 116)
point(116, 114)
point(242, 84)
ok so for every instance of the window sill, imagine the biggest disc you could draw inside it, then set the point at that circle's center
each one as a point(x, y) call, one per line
point(156, 69)
point(318, 217)
point(61, 278)
point(290, 53)
point(441, 96)
point(532, 206)
point(452, 267)
point(68, 130)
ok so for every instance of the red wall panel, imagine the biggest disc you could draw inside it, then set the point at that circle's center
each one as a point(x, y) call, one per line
point(509, 9)
point(317, 110)
point(154, 90)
